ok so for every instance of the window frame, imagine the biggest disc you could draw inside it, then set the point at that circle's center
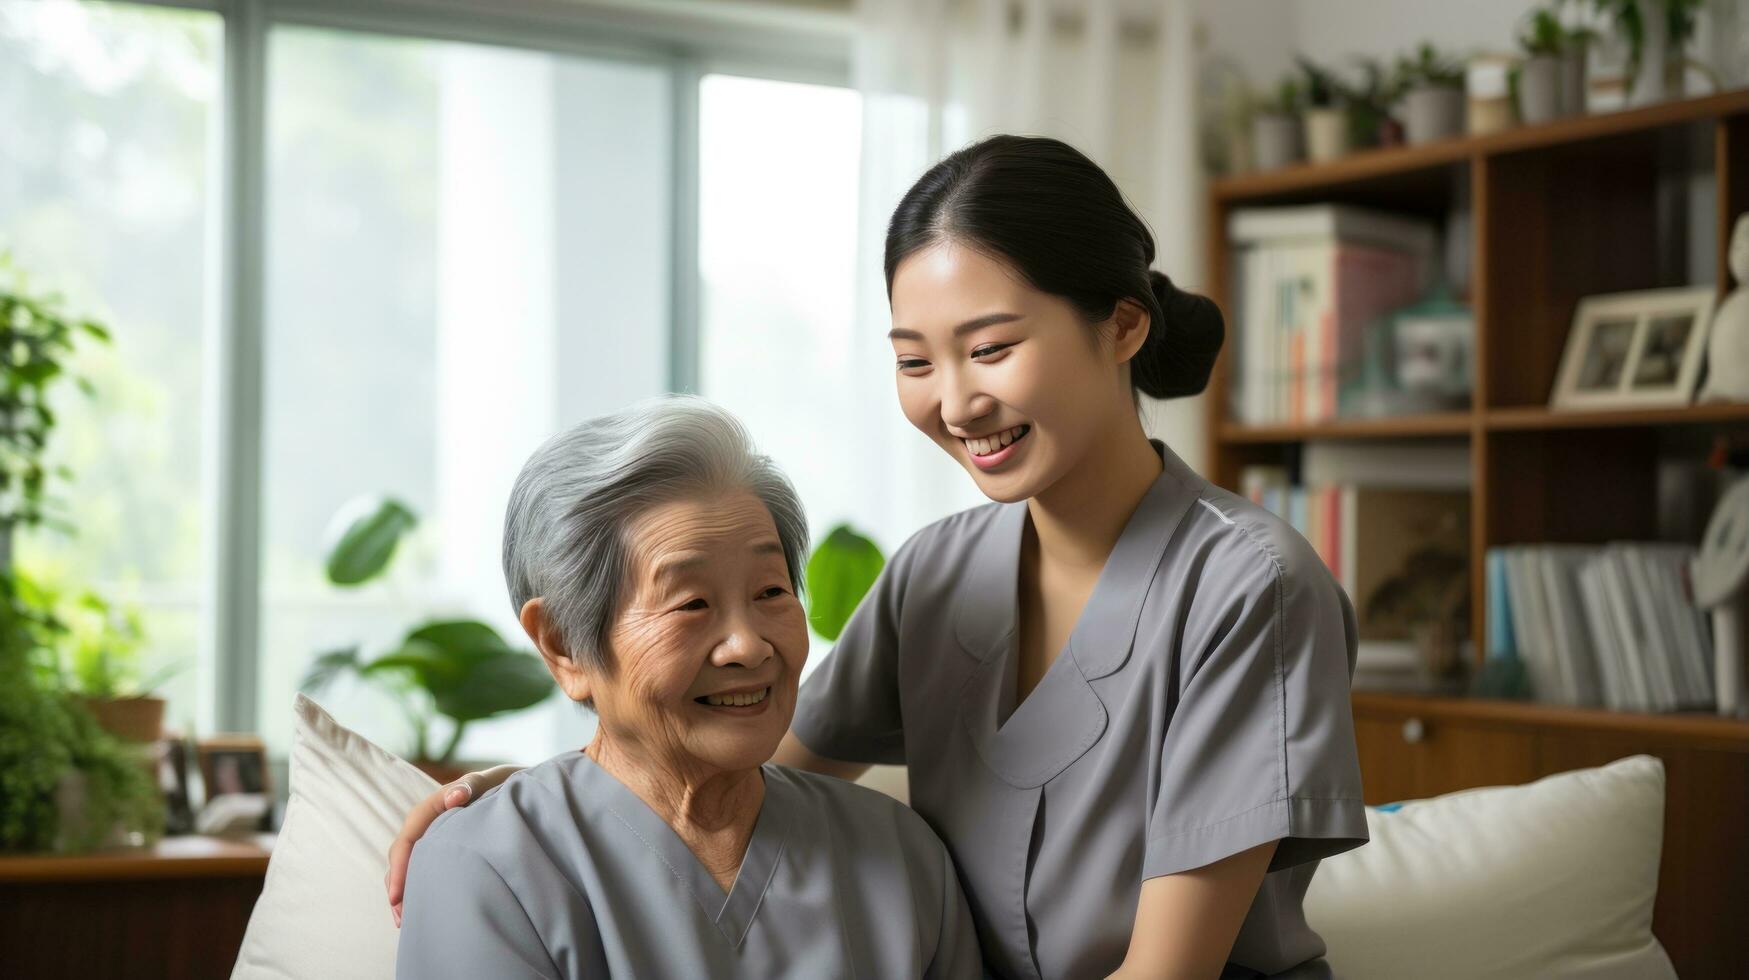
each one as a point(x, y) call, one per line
point(690, 38)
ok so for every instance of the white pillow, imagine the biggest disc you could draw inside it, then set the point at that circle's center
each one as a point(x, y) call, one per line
point(323, 912)
point(1554, 879)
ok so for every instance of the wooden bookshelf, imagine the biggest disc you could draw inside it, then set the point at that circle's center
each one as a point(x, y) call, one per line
point(1557, 212)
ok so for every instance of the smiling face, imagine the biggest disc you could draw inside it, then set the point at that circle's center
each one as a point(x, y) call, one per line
point(1009, 380)
point(708, 646)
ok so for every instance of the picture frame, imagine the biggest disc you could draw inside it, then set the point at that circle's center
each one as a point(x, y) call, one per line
point(233, 764)
point(1642, 349)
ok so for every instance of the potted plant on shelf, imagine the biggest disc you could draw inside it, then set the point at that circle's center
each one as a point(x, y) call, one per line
point(1325, 113)
point(1433, 99)
point(99, 655)
point(1275, 129)
point(1371, 106)
point(65, 783)
point(1539, 77)
point(458, 670)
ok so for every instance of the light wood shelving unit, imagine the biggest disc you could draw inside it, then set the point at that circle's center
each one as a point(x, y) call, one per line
point(1557, 212)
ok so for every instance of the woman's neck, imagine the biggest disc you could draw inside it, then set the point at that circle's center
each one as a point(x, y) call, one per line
point(1079, 518)
point(712, 811)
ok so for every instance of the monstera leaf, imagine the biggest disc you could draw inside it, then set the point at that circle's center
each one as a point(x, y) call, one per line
point(368, 540)
point(840, 572)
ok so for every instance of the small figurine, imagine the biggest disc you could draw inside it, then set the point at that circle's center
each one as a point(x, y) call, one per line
point(1728, 347)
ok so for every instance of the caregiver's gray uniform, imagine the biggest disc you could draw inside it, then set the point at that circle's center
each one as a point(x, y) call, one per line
point(564, 872)
point(1200, 709)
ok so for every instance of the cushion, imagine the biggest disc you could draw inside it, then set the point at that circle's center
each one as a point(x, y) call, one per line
point(1554, 879)
point(323, 911)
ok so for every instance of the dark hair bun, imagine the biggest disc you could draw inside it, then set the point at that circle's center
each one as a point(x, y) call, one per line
point(1180, 351)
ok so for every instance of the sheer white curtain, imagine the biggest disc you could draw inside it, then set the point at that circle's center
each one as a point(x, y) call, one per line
point(1114, 79)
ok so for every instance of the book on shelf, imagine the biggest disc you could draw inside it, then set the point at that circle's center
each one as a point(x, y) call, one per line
point(1610, 625)
point(1308, 283)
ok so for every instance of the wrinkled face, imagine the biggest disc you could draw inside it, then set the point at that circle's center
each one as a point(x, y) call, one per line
point(709, 644)
point(1009, 380)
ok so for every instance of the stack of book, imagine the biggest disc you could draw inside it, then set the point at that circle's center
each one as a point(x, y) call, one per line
point(1309, 282)
point(1602, 625)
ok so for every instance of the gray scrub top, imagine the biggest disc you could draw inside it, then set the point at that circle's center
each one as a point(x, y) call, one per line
point(564, 872)
point(1200, 708)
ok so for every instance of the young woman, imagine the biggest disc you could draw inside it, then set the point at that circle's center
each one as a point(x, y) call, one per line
point(1122, 693)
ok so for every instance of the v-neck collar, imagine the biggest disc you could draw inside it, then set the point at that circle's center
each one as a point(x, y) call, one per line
point(1062, 717)
point(732, 913)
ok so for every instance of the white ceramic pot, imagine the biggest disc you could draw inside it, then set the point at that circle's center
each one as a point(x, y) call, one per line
point(1275, 140)
point(1326, 133)
point(1433, 112)
point(1539, 89)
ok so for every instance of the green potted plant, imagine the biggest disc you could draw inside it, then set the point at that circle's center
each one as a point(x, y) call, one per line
point(1433, 99)
point(65, 783)
point(456, 670)
point(1275, 129)
point(1539, 76)
point(99, 652)
point(1372, 104)
point(1325, 113)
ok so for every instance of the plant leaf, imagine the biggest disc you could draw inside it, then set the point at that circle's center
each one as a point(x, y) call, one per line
point(840, 572)
point(328, 666)
point(364, 549)
point(463, 640)
point(506, 681)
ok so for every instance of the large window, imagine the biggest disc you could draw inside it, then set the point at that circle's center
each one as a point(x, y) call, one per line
point(107, 120)
point(468, 248)
point(438, 253)
point(777, 263)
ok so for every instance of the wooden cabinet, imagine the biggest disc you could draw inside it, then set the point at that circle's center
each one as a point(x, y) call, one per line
point(1413, 747)
point(177, 909)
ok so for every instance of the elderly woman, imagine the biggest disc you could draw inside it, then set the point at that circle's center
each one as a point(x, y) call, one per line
point(655, 560)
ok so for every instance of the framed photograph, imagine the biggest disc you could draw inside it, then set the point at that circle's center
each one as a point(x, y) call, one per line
point(233, 764)
point(1635, 350)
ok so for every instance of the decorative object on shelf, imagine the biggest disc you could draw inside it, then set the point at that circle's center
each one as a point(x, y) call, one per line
point(1488, 81)
point(1634, 350)
point(1721, 584)
point(1656, 35)
point(236, 783)
point(1540, 77)
point(1550, 82)
point(1433, 343)
point(1371, 106)
point(1326, 113)
point(1728, 345)
point(1275, 129)
point(1433, 100)
point(459, 669)
point(1728, 51)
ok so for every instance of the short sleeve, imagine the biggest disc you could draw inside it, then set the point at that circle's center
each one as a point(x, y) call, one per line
point(1260, 746)
point(849, 708)
point(459, 918)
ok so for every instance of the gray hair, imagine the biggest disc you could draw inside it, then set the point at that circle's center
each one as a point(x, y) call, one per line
point(565, 529)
